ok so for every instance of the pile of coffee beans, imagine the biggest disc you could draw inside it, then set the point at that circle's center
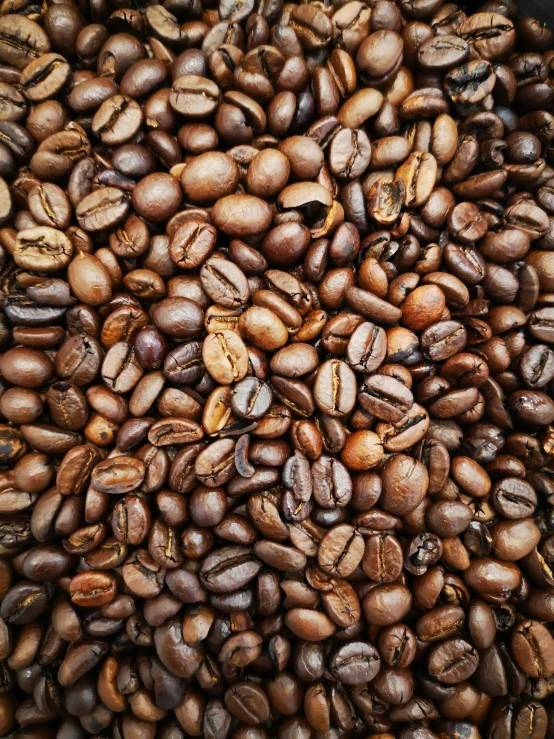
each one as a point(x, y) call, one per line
point(276, 370)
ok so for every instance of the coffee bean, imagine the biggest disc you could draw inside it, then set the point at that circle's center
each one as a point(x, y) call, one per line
point(29, 367)
point(241, 216)
point(92, 589)
point(251, 398)
point(225, 356)
point(340, 550)
point(385, 398)
point(532, 648)
point(248, 703)
point(192, 243)
point(229, 568)
point(102, 209)
point(43, 248)
point(194, 96)
point(418, 174)
point(380, 54)
point(263, 328)
point(309, 625)
point(45, 76)
point(22, 41)
point(334, 388)
point(387, 604)
point(226, 284)
point(174, 431)
point(24, 602)
point(50, 206)
point(499, 38)
point(443, 52)
point(355, 663)
point(312, 27)
point(349, 153)
point(452, 661)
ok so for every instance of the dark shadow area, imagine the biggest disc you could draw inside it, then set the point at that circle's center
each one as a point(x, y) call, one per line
point(541, 9)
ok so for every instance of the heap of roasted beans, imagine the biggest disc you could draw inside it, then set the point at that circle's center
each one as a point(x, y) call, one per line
point(276, 363)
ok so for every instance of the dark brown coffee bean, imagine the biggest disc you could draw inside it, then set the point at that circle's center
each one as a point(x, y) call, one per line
point(194, 96)
point(22, 41)
point(443, 52)
point(332, 483)
point(24, 602)
point(386, 398)
point(532, 648)
point(241, 216)
point(192, 242)
point(452, 661)
point(366, 349)
point(340, 551)
point(335, 388)
point(102, 209)
point(354, 663)
point(251, 398)
point(380, 55)
point(229, 568)
point(498, 39)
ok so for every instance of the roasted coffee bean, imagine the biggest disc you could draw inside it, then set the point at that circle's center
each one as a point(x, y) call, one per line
point(335, 388)
point(354, 663)
point(366, 349)
point(341, 550)
point(43, 248)
point(22, 41)
point(102, 209)
point(385, 397)
point(452, 661)
point(225, 356)
point(229, 569)
point(443, 52)
point(332, 483)
point(24, 602)
point(382, 561)
point(92, 589)
point(532, 648)
point(194, 96)
point(119, 475)
point(496, 41)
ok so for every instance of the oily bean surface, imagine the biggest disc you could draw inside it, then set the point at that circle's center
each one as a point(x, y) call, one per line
point(276, 370)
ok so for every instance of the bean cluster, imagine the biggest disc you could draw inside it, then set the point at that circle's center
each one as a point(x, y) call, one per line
point(277, 364)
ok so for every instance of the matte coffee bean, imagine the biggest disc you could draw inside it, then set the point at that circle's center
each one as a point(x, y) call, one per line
point(241, 216)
